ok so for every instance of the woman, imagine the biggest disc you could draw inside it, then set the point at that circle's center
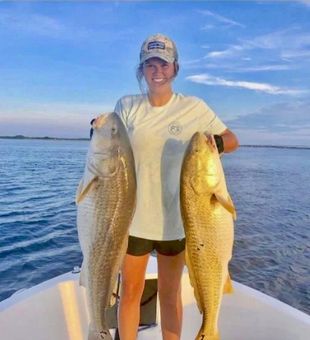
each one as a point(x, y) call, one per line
point(160, 124)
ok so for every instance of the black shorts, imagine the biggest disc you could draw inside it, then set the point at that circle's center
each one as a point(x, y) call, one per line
point(140, 246)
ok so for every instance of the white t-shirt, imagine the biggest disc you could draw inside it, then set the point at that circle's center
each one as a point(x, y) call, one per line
point(159, 137)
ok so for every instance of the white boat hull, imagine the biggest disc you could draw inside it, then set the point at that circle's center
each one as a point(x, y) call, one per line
point(56, 310)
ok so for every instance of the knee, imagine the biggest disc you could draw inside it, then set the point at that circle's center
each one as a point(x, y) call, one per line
point(132, 292)
point(169, 296)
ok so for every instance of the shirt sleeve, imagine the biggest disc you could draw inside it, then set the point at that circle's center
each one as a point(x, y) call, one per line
point(211, 123)
point(121, 111)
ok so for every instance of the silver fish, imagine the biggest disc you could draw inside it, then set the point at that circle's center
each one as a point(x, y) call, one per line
point(207, 212)
point(105, 200)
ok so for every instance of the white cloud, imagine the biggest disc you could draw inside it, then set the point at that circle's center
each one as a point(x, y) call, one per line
point(290, 43)
point(207, 79)
point(291, 39)
point(221, 18)
point(287, 116)
point(220, 54)
point(294, 54)
point(259, 137)
point(284, 123)
point(207, 27)
point(262, 68)
point(229, 52)
point(49, 119)
point(52, 111)
point(236, 67)
point(64, 28)
point(305, 2)
point(32, 23)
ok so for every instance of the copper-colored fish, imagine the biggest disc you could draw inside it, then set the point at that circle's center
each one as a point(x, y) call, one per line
point(106, 200)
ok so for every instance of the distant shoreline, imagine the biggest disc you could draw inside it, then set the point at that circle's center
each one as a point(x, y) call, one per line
point(41, 138)
point(19, 137)
point(277, 146)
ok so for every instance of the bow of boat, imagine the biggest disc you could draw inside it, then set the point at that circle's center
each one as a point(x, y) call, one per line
point(56, 309)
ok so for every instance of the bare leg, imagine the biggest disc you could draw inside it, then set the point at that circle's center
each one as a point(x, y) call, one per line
point(170, 270)
point(132, 285)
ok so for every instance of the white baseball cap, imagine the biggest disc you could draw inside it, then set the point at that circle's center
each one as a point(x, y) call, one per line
point(158, 46)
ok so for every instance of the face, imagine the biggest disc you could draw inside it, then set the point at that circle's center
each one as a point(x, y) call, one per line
point(158, 74)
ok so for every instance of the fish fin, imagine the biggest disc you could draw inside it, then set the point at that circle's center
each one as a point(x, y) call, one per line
point(228, 286)
point(83, 190)
point(199, 184)
point(78, 190)
point(82, 280)
point(114, 296)
point(227, 203)
point(192, 280)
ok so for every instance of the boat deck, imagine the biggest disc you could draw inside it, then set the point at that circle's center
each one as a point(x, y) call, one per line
point(56, 310)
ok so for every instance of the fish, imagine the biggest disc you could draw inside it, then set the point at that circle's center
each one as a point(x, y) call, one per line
point(208, 215)
point(106, 199)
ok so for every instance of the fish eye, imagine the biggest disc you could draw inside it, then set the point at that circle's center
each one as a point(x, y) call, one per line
point(114, 130)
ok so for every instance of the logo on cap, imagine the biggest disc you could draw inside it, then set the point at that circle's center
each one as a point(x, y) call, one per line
point(156, 44)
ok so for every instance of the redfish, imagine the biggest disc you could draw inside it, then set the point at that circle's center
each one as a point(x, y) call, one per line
point(208, 213)
point(105, 200)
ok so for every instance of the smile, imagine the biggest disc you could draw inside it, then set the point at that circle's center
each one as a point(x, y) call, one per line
point(158, 80)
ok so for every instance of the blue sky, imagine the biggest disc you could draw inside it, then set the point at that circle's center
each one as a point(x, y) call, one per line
point(62, 63)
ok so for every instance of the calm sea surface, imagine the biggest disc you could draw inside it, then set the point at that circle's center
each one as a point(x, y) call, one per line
point(270, 188)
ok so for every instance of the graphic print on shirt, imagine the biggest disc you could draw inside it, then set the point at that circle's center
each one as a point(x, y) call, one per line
point(175, 128)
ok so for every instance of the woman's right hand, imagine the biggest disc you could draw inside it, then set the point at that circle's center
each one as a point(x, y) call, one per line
point(92, 129)
point(96, 123)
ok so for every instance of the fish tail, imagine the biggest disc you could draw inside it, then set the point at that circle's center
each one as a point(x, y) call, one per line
point(216, 286)
point(203, 335)
point(103, 334)
point(208, 330)
point(228, 286)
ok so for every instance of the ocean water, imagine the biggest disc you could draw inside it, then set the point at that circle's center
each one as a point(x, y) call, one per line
point(270, 188)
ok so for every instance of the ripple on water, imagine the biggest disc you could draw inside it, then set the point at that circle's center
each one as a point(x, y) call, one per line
point(38, 240)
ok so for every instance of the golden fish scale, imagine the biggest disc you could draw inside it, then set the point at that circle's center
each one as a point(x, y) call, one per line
point(209, 241)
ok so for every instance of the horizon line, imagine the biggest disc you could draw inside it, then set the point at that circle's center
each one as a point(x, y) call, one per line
point(20, 137)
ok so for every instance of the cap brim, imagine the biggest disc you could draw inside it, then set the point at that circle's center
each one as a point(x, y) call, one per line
point(157, 55)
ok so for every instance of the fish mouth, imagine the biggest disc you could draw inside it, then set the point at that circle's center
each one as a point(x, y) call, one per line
point(104, 155)
point(107, 153)
point(105, 164)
